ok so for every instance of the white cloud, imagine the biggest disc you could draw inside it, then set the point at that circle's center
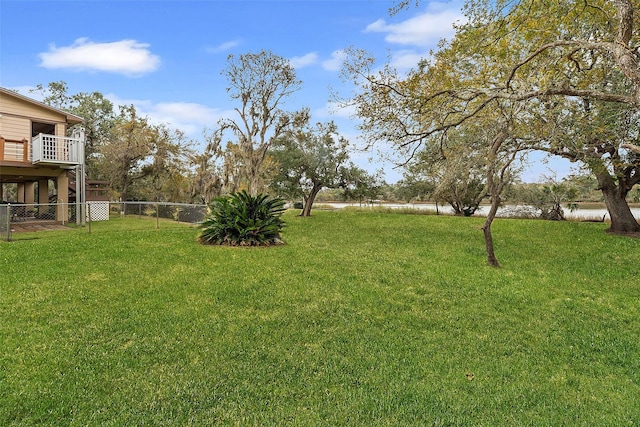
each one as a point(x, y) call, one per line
point(406, 59)
point(304, 60)
point(127, 57)
point(222, 47)
point(188, 117)
point(419, 34)
point(421, 30)
point(334, 64)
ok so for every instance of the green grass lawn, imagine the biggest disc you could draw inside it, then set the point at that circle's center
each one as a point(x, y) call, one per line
point(361, 319)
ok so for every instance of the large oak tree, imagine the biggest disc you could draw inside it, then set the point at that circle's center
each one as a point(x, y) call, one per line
point(575, 65)
point(261, 83)
point(518, 56)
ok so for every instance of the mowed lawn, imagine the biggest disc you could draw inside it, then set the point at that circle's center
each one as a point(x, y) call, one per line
point(361, 319)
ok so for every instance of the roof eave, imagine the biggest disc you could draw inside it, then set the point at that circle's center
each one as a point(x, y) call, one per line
point(71, 119)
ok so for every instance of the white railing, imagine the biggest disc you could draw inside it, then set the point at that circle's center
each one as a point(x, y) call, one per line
point(14, 151)
point(52, 149)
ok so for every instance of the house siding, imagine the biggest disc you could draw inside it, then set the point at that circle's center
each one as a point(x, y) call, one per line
point(15, 128)
point(17, 116)
point(21, 108)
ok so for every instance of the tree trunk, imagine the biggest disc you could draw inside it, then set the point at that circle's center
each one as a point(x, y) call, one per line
point(253, 174)
point(253, 177)
point(308, 201)
point(253, 185)
point(486, 229)
point(615, 197)
point(457, 210)
point(495, 189)
point(125, 190)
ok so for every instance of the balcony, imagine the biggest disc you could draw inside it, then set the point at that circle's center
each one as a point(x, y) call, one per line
point(56, 150)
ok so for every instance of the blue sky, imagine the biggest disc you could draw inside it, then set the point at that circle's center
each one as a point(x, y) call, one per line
point(165, 57)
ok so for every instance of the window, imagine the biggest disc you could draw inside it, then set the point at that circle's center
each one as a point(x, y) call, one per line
point(46, 128)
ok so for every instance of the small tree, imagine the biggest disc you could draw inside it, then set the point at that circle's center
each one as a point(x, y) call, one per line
point(361, 185)
point(141, 159)
point(548, 198)
point(456, 171)
point(309, 159)
point(412, 188)
point(205, 180)
point(123, 156)
point(166, 168)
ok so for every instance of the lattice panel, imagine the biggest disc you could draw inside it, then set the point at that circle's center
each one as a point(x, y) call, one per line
point(99, 211)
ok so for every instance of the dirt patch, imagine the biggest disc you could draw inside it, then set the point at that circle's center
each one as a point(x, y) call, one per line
point(34, 227)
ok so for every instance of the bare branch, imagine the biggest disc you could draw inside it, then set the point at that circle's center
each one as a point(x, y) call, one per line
point(631, 147)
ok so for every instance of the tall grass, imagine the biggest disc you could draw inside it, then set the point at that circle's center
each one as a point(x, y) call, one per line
point(361, 319)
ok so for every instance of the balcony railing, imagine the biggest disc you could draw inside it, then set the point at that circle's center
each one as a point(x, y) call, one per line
point(14, 150)
point(56, 150)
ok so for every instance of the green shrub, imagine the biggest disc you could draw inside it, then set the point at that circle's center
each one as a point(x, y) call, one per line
point(243, 220)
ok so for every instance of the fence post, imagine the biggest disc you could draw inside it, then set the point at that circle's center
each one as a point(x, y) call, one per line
point(78, 206)
point(157, 215)
point(89, 216)
point(8, 224)
point(63, 210)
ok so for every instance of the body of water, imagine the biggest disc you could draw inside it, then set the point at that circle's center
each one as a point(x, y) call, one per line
point(504, 211)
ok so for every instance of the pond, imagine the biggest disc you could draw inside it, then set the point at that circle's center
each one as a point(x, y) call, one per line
point(505, 211)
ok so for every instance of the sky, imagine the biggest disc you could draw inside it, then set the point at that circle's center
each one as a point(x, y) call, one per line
point(166, 56)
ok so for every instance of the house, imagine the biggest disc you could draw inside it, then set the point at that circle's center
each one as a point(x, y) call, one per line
point(35, 152)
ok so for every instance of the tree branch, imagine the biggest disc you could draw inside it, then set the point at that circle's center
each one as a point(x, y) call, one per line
point(631, 147)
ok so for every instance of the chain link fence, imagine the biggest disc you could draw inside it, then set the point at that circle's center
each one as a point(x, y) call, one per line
point(180, 212)
point(28, 217)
